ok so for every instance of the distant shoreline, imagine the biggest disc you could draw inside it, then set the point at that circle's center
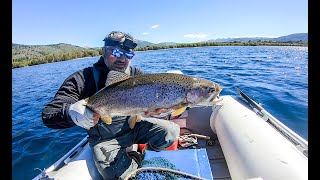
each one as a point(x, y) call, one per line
point(56, 57)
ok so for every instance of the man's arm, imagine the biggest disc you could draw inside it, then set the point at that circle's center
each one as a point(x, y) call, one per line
point(56, 113)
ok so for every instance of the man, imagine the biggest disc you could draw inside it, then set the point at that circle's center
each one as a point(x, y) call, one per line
point(108, 142)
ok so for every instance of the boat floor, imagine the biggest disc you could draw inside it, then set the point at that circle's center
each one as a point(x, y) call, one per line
point(198, 122)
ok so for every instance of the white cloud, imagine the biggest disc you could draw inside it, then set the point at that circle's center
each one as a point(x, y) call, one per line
point(196, 36)
point(155, 26)
point(145, 33)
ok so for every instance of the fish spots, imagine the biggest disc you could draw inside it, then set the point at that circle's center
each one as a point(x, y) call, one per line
point(192, 96)
point(149, 92)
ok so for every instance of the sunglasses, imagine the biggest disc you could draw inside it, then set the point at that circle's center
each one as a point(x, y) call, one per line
point(118, 53)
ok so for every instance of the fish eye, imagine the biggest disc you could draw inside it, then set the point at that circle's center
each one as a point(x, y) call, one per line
point(211, 89)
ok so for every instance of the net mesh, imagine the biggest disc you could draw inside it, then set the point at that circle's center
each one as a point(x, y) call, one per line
point(158, 162)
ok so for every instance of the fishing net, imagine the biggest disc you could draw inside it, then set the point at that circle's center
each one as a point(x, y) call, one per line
point(157, 168)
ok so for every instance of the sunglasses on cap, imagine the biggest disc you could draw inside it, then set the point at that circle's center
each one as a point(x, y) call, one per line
point(118, 53)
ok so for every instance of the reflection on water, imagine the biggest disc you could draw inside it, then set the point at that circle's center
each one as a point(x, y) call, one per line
point(275, 76)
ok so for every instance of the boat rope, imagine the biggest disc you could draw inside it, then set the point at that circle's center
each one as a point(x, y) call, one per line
point(29, 143)
point(17, 160)
point(26, 129)
point(23, 154)
point(23, 149)
point(43, 174)
point(53, 143)
point(133, 173)
point(187, 141)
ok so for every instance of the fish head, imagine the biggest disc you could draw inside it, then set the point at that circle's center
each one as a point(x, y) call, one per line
point(203, 90)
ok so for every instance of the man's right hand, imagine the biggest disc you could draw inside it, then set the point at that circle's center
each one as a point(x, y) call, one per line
point(82, 116)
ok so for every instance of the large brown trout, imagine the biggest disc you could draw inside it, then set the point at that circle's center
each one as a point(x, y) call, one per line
point(126, 95)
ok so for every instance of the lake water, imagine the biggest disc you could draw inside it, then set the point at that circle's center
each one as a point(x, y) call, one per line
point(277, 77)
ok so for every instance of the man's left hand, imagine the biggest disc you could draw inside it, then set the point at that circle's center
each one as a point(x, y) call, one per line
point(156, 112)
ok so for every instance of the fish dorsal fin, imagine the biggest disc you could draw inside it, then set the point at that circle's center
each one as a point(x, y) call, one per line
point(116, 76)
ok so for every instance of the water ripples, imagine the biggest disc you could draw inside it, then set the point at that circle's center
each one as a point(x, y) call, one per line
point(275, 76)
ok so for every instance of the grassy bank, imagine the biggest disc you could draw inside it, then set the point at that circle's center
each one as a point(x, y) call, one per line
point(40, 56)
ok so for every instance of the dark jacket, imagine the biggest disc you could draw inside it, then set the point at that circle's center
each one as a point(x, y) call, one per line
point(77, 86)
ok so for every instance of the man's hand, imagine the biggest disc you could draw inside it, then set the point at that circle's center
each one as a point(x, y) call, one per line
point(82, 116)
point(156, 112)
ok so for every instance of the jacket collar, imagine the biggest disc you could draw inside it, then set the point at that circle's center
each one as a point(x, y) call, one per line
point(101, 66)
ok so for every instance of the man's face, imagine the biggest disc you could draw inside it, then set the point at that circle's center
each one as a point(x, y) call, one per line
point(113, 62)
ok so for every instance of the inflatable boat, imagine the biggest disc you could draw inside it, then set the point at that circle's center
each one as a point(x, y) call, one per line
point(239, 140)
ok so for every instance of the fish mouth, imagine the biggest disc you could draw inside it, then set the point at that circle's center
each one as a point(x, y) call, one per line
point(216, 89)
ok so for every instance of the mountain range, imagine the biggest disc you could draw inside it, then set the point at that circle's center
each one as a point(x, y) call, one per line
point(22, 52)
point(24, 55)
point(297, 37)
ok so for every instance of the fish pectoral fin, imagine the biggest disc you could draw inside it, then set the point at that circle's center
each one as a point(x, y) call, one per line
point(106, 119)
point(86, 99)
point(116, 76)
point(179, 111)
point(133, 120)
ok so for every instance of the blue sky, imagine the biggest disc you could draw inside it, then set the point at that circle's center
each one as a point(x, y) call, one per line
point(86, 23)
